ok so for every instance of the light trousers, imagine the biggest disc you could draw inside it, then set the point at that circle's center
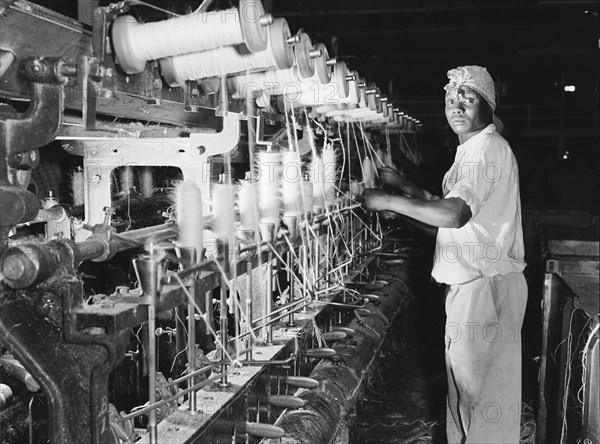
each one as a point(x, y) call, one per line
point(483, 359)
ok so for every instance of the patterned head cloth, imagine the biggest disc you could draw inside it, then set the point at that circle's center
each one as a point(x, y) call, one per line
point(475, 77)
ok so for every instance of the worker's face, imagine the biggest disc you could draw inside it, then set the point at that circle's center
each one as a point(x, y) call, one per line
point(467, 112)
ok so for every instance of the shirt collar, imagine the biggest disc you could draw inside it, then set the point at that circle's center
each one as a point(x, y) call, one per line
point(477, 137)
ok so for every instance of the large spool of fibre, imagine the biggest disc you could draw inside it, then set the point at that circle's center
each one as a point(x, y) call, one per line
point(136, 43)
point(279, 81)
point(225, 60)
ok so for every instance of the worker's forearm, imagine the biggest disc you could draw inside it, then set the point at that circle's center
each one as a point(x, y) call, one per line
point(448, 213)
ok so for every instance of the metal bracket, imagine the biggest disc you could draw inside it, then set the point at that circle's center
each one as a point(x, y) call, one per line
point(190, 155)
point(36, 127)
point(22, 133)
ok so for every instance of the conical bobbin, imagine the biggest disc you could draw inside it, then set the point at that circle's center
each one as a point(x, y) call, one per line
point(187, 254)
point(148, 270)
point(267, 231)
point(245, 237)
point(291, 222)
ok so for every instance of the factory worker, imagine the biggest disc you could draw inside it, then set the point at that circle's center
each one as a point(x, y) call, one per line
point(479, 255)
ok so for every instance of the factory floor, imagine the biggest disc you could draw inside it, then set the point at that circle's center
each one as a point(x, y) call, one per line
point(406, 399)
point(405, 402)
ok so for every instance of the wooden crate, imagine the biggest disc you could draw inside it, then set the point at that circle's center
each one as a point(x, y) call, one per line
point(570, 307)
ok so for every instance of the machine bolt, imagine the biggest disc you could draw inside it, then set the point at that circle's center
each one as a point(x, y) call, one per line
point(293, 39)
point(266, 20)
point(314, 53)
point(108, 214)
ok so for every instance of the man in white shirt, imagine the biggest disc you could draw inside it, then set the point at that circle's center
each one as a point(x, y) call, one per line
point(479, 255)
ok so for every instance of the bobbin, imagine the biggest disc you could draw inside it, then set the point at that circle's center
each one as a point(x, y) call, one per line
point(279, 39)
point(178, 69)
point(391, 113)
point(353, 89)
point(132, 58)
point(322, 64)
point(384, 108)
point(302, 55)
point(332, 93)
point(340, 79)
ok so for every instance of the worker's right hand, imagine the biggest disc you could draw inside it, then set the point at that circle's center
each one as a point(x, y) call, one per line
point(374, 199)
point(391, 177)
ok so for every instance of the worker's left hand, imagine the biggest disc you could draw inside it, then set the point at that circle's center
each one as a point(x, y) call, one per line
point(388, 215)
point(374, 199)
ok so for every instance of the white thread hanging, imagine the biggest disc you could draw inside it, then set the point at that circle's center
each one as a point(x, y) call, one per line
point(247, 205)
point(230, 59)
point(188, 208)
point(126, 179)
point(329, 174)
point(269, 186)
point(223, 211)
point(147, 182)
point(291, 181)
point(136, 43)
point(78, 187)
point(317, 177)
point(368, 172)
point(588, 350)
point(308, 196)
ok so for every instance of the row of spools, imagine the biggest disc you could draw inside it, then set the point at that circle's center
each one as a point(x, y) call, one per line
point(259, 56)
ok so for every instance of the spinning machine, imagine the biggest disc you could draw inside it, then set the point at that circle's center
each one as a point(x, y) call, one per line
point(206, 278)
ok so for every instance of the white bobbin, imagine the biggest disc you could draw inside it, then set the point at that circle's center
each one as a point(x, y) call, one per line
point(291, 182)
point(136, 43)
point(269, 186)
point(332, 93)
point(223, 211)
point(322, 64)
point(248, 205)
point(188, 209)
point(279, 53)
point(304, 57)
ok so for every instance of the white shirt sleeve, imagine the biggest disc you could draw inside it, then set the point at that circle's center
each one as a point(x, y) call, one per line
point(474, 178)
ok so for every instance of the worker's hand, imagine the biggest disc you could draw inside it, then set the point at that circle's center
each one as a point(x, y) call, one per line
point(391, 177)
point(388, 215)
point(374, 199)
